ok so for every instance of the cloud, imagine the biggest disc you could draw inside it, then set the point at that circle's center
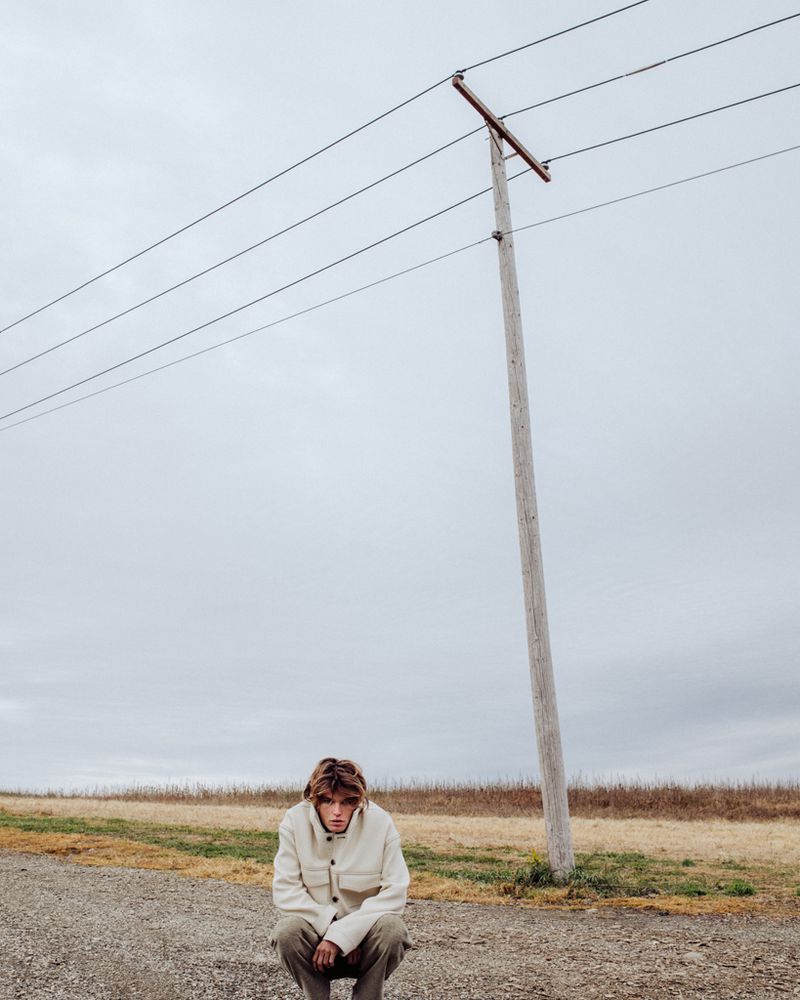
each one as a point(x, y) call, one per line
point(11, 709)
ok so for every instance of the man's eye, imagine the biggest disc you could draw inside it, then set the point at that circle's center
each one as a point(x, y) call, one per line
point(326, 802)
point(351, 802)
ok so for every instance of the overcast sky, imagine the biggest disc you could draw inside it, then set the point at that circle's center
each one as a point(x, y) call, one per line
point(304, 543)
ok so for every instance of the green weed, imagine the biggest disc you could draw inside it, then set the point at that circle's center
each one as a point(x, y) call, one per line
point(536, 875)
point(739, 888)
point(691, 889)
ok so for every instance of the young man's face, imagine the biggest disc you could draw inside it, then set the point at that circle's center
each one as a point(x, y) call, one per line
point(336, 810)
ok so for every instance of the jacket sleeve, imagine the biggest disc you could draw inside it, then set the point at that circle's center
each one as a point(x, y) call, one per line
point(288, 892)
point(349, 931)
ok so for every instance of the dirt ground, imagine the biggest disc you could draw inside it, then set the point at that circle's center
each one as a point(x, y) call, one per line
point(75, 933)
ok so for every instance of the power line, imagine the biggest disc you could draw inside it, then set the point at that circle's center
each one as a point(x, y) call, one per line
point(238, 309)
point(607, 142)
point(556, 34)
point(408, 270)
point(299, 163)
point(249, 333)
point(652, 190)
point(227, 204)
point(655, 65)
point(677, 121)
point(389, 176)
point(240, 253)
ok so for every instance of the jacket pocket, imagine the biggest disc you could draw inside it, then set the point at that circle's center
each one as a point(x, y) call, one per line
point(363, 882)
point(317, 881)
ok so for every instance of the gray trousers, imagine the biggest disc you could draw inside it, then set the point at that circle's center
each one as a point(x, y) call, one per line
point(382, 950)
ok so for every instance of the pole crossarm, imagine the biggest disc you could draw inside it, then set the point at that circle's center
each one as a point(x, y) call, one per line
point(494, 122)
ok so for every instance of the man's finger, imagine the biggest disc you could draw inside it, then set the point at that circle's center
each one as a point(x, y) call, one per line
point(324, 957)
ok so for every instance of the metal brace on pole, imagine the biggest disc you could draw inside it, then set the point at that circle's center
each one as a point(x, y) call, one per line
point(548, 736)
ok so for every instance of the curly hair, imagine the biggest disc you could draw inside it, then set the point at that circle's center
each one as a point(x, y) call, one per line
point(336, 775)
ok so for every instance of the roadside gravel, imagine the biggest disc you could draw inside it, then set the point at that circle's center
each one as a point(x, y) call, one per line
point(69, 932)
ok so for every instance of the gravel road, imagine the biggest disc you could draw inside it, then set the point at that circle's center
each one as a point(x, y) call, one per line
point(77, 933)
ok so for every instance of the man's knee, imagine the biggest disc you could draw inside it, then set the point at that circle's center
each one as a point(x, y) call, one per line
point(391, 934)
point(292, 935)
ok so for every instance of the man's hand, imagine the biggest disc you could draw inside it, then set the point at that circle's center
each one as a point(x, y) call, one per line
point(325, 956)
point(354, 957)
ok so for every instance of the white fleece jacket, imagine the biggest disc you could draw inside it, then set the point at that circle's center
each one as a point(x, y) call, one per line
point(339, 882)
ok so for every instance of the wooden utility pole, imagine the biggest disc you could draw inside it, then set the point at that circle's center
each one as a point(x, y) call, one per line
point(545, 709)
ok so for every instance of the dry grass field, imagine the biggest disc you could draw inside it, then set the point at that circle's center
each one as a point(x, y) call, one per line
point(644, 846)
point(743, 800)
point(674, 838)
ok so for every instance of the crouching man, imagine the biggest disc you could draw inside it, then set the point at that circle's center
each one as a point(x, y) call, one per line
point(340, 886)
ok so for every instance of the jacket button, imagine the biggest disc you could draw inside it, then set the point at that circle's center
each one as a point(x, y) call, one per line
point(335, 899)
point(329, 838)
point(333, 862)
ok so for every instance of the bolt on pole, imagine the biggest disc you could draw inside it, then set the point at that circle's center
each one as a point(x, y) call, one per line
point(545, 709)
